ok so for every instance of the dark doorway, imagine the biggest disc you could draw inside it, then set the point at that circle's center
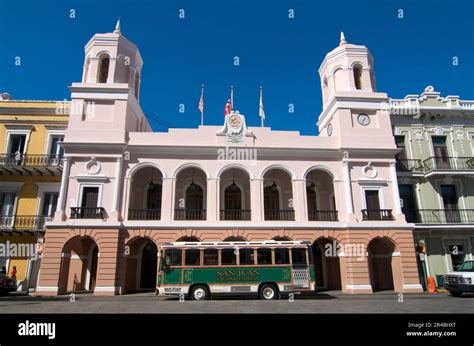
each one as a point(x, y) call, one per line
point(149, 266)
point(408, 203)
point(441, 152)
point(450, 202)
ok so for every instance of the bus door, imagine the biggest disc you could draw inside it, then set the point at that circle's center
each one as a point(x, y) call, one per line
point(172, 262)
point(300, 268)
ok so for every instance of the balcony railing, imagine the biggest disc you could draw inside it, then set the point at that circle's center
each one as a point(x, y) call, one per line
point(190, 214)
point(322, 215)
point(440, 216)
point(448, 163)
point(87, 213)
point(31, 160)
point(406, 165)
point(377, 214)
point(279, 215)
point(235, 214)
point(144, 214)
point(24, 222)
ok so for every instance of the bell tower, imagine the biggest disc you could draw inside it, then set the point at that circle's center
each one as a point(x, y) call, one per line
point(108, 95)
point(352, 108)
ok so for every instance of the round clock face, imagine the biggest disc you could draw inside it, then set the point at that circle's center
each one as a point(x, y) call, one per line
point(329, 130)
point(235, 121)
point(363, 119)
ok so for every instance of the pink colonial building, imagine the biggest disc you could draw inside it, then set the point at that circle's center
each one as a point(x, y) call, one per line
point(126, 189)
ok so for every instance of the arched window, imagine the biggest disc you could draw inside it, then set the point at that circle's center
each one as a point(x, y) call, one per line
point(357, 69)
point(137, 84)
point(104, 69)
point(154, 196)
point(233, 197)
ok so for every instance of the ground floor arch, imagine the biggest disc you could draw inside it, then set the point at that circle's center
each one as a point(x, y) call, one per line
point(384, 265)
point(327, 264)
point(78, 268)
point(141, 265)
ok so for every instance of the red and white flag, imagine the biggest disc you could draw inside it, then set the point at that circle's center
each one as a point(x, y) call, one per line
point(201, 105)
point(227, 108)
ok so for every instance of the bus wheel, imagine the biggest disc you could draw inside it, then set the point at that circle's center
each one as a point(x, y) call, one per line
point(199, 292)
point(268, 292)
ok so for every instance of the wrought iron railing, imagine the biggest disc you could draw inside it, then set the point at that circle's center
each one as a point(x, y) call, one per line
point(448, 163)
point(29, 160)
point(439, 216)
point(279, 215)
point(87, 213)
point(190, 214)
point(144, 214)
point(377, 214)
point(24, 222)
point(235, 214)
point(322, 215)
point(408, 165)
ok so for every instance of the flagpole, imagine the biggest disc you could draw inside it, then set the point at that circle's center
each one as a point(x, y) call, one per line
point(231, 97)
point(202, 98)
point(261, 106)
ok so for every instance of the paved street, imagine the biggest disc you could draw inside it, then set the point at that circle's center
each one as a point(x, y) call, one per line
point(331, 302)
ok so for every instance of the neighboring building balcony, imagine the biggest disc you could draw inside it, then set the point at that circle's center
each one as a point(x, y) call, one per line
point(235, 214)
point(279, 215)
point(87, 213)
point(23, 222)
point(440, 163)
point(377, 215)
point(21, 164)
point(407, 165)
point(440, 216)
point(322, 215)
point(144, 214)
point(190, 214)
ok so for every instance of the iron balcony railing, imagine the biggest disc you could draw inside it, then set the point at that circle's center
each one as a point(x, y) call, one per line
point(279, 215)
point(87, 213)
point(28, 160)
point(377, 215)
point(448, 163)
point(190, 214)
point(439, 216)
point(322, 215)
point(407, 165)
point(235, 214)
point(24, 222)
point(144, 214)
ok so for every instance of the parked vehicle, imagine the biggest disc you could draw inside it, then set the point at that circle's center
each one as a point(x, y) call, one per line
point(461, 280)
point(7, 284)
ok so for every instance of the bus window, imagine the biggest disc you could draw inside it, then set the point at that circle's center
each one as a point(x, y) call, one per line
point(264, 256)
point(210, 257)
point(173, 257)
point(228, 257)
point(298, 256)
point(282, 256)
point(246, 257)
point(192, 257)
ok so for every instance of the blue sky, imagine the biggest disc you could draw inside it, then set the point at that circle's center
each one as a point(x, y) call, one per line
point(280, 53)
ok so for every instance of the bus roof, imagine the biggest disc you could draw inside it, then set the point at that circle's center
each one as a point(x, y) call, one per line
point(236, 243)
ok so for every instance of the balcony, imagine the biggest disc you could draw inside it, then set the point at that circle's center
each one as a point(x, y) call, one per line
point(405, 165)
point(377, 215)
point(279, 215)
point(322, 215)
point(26, 164)
point(144, 214)
point(23, 222)
point(440, 216)
point(438, 163)
point(190, 214)
point(87, 213)
point(235, 214)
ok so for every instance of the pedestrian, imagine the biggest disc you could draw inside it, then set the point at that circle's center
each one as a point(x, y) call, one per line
point(13, 274)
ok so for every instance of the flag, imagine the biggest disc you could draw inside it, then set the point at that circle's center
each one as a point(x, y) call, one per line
point(261, 111)
point(227, 108)
point(201, 101)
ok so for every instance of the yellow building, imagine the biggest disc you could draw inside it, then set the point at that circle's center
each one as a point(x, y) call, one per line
point(30, 175)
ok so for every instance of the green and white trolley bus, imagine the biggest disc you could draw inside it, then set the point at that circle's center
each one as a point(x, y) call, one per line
point(268, 269)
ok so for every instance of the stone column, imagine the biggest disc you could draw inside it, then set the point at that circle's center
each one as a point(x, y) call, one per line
point(256, 199)
point(348, 188)
point(117, 195)
point(212, 204)
point(168, 197)
point(299, 205)
point(396, 193)
point(60, 214)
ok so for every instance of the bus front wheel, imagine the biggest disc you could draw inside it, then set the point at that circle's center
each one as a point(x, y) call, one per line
point(199, 292)
point(268, 292)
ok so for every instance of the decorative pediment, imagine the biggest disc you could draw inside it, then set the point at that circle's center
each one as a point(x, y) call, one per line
point(235, 128)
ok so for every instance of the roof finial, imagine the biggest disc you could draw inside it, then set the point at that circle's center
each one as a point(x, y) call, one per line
point(117, 27)
point(343, 39)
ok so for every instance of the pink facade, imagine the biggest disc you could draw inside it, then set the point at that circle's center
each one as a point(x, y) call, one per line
point(126, 189)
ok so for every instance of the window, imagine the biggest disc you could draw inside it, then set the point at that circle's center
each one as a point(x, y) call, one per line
point(282, 256)
point(90, 197)
point(104, 69)
point(173, 257)
point(372, 199)
point(357, 69)
point(50, 203)
point(55, 149)
point(192, 257)
point(408, 203)
point(400, 142)
point(7, 203)
point(211, 257)
point(228, 257)
point(298, 256)
point(246, 257)
point(17, 144)
point(264, 256)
